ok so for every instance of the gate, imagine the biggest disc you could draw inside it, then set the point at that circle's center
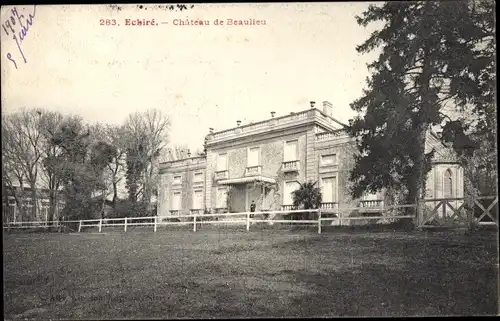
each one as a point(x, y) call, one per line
point(458, 212)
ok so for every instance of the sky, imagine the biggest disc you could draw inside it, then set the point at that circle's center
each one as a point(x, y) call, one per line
point(201, 76)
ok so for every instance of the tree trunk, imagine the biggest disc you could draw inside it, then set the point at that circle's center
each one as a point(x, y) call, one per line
point(132, 192)
point(52, 205)
point(103, 202)
point(53, 199)
point(417, 186)
point(20, 198)
point(115, 193)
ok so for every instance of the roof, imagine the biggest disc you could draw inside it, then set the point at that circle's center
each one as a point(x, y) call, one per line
point(443, 153)
point(243, 180)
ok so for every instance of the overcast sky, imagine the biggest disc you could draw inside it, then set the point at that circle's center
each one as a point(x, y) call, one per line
point(203, 76)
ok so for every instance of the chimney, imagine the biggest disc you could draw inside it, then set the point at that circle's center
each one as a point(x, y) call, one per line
point(312, 103)
point(211, 130)
point(327, 108)
point(238, 122)
point(189, 153)
point(272, 114)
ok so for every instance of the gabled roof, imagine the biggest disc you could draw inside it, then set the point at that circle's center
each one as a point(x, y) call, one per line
point(443, 153)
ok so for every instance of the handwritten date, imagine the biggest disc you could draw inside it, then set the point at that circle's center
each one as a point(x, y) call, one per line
point(18, 26)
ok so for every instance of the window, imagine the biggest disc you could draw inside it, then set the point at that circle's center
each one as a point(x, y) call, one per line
point(290, 187)
point(253, 156)
point(291, 151)
point(222, 162)
point(448, 184)
point(198, 177)
point(198, 199)
point(327, 160)
point(329, 189)
point(221, 198)
point(176, 201)
point(177, 179)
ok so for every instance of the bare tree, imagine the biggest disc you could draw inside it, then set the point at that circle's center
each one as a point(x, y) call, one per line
point(50, 124)
point(11, 173)
point(115, 171)
point(24, 151)
point(178, 152)
point(146, 135)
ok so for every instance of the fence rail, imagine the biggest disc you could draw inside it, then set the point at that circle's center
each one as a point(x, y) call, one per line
point(458, 213)
point(241, 218)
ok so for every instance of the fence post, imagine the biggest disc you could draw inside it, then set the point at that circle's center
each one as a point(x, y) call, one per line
point(194, 223)
point(80, 226)
point(470, 214)
point(417, 214)
point(248, 221)
point(156, 217)
point(319, 221)
point(100, 225)
point(125, 225)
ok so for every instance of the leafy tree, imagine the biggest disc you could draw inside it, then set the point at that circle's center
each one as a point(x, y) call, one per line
point(80, 167)
point(426, 48)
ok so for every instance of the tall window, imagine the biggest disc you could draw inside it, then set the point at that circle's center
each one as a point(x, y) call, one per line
point(198, 199)
point(253, 156)
point(176, 201)
point(177, 179)
point(222, 162)
point(448, 183)
point(329, 189)
point(198, 177)
point(327, 160)
point(291, 151)
point(290, 187)
point(221, 198)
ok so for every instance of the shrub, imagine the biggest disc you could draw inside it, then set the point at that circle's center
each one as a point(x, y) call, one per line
point(308, 196)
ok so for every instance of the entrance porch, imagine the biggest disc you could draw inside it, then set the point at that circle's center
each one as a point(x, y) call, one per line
point(243, 191)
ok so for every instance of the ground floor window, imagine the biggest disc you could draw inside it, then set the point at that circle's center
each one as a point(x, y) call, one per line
point(221, 197)
point(176, 201)
point(198, 199)
point(289, 188)
point(329, 189)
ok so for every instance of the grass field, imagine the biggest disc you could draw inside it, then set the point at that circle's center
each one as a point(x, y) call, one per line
point(228, 272)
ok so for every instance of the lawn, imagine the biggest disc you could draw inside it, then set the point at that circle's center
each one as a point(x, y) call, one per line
point(228, 272)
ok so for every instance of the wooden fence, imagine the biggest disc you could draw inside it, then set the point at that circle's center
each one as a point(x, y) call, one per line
point(429, 213)
point(458, 212)
point(242, 218)
point(11, 212)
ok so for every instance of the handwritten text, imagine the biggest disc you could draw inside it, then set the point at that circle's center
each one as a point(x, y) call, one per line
point(18, 26)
